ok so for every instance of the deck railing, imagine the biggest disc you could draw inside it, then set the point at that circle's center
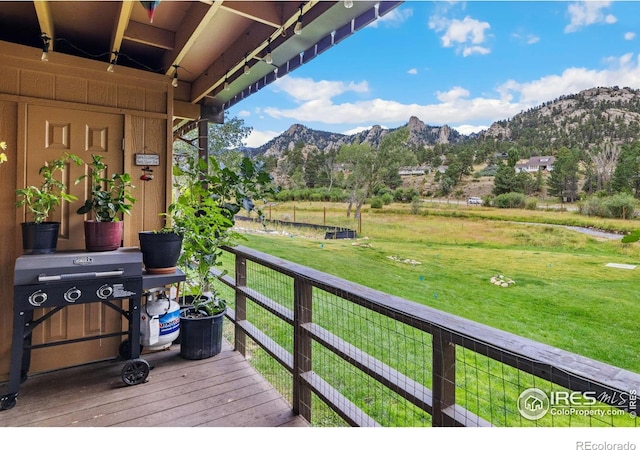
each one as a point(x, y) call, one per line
point(353, 355)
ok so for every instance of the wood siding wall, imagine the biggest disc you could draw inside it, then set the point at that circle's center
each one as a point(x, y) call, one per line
point(144, 100)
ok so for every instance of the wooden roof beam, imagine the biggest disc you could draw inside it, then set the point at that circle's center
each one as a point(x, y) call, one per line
point(268, 13)
point(43, 11)
point(200, 14)
point(120, 25)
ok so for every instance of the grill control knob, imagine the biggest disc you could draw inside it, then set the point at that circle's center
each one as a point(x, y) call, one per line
point(37, 298)
point(104, 292)
point(72, 295)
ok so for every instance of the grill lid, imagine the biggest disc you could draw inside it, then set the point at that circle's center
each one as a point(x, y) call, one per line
point(59, 266)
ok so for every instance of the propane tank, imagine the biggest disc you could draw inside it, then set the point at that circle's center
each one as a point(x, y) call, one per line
point(159, 320)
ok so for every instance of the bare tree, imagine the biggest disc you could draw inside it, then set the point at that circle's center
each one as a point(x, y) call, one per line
point(604, 161)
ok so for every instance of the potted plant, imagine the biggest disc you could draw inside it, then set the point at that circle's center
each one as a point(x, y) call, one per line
point(40, 235)
point(201, 327)
point(160, 250)
point(110, 197)
point(208, 195)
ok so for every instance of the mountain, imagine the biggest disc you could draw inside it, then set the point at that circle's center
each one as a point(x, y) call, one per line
point(598, 116)
point(419, 135)
point(593, 117)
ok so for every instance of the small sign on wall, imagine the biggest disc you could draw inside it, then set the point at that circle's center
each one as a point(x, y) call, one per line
point(146, 159)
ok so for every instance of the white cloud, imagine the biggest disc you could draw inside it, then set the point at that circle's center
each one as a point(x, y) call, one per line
point(457, 107)
point(258, 138)
point(629, 36)
point(468, 51)
point(526, 38)
point(587, 13)
point(244, 113)
point(465, 35)
point(305, 89)
point(412, 71)
point(357, 130)
point(622, 71)
point(468, 129)
point(452, 95)
point(394, 18)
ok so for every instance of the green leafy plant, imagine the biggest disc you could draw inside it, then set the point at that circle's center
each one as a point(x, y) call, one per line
point(209, 305)
point(110, 196)
point(42, 200)
point(208, 195)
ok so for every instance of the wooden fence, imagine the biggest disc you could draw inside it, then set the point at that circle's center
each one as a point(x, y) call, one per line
point(437, 380)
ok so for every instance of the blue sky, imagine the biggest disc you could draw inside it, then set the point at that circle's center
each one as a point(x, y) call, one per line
point(462, 64)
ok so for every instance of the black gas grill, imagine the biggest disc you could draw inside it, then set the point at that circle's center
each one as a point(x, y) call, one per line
point(61, 279)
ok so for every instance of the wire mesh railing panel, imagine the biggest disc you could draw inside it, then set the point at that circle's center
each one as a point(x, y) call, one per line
point(386, 351)
point(323, 416)
point(278, 288)
point(506, 396)
point(378, 401)
point(367, 361)
point(270, 369)
point(274, 285)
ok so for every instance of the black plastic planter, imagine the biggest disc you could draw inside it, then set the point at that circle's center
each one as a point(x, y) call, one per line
point(40, 238)
point(200, 337)
point(160, 251)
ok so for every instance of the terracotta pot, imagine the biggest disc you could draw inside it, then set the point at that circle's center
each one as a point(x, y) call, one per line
point(102, 236)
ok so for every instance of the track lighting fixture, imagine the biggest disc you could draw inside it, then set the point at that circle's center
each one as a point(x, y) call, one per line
point(174, 82)
point(348, 3)
point(45, 47)
point(113, 62)
point(268, 59)
point(298, 28)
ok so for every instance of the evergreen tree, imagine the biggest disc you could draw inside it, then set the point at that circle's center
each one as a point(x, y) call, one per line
point(563, 182)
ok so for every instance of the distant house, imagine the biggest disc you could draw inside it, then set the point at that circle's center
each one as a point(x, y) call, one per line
point(535, 163)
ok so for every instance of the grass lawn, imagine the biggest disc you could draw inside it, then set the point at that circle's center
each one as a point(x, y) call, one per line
point(564, 294)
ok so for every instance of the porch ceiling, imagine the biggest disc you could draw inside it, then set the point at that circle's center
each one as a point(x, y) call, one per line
point(208, 40)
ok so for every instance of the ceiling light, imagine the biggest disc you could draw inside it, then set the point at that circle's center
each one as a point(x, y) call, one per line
point(247, 69)
point(268, 59)
point(45, 47)
point(174, 82)
point(298, 27)
point(348, 3)
point(113, 62)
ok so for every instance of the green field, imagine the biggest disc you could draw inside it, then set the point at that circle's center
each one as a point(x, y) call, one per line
point(564, 294)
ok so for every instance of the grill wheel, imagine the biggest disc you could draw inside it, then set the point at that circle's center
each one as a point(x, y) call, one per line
point(135, 372)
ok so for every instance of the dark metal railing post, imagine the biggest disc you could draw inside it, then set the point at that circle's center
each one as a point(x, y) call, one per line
point(241, 305)
point(444, 378)
point(303, 292)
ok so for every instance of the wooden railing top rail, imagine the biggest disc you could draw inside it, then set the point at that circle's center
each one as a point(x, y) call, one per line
point(564, 368)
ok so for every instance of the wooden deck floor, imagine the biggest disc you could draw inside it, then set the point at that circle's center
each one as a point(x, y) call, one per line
point(223, 391)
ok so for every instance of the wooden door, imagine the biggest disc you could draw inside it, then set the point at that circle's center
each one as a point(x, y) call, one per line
point(51, 133)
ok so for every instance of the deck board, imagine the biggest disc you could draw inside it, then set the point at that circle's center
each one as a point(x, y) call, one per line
point(223, 391)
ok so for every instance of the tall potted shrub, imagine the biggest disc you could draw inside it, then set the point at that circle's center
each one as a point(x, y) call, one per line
point(41, 235)
point(110, 197)
point(208, 195)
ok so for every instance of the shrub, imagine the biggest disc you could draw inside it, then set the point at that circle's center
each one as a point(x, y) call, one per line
point(531, 203)
point(387, 198)
point(376, 203)
point(510, 200)
point(593, 206)
point(621, 206)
